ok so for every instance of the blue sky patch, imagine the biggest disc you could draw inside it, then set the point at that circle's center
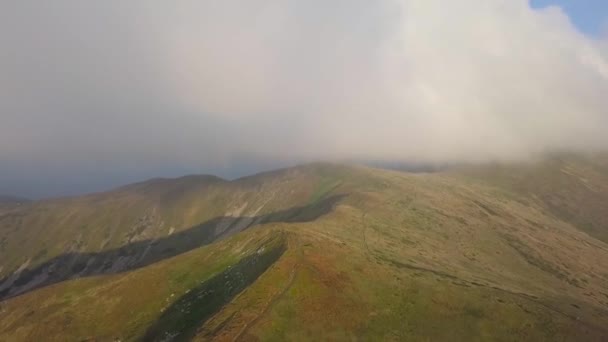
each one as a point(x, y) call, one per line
point(590, 16)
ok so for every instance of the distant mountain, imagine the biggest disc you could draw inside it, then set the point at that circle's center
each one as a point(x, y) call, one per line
point(317, 252)
point(10, 202)
point(12, 199)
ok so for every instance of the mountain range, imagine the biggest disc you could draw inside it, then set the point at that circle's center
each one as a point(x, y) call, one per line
point(501, 251)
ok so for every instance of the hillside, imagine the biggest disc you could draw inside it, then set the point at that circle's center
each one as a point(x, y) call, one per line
point(10, 202)
point(573, 188)
point(142, 223)
point(502, 252)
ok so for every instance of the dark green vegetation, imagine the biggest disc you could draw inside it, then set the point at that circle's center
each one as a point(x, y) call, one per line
point(492, 252)
point(182, 319)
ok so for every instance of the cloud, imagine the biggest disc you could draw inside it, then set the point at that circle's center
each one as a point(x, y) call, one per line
point(207, 84)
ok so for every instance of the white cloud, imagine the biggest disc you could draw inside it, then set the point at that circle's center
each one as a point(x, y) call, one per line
point(396, 79)
point(209, 82)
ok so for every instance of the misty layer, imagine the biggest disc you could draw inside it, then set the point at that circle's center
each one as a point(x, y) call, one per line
point(206, 83)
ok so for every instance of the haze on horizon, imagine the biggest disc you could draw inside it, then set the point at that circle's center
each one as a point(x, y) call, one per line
point(94, 94)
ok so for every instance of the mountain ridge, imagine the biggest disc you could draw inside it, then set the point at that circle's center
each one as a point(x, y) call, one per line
point(480, 252)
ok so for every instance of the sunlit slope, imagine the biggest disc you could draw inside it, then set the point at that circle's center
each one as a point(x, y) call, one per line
point(396, 256)
point(429, 257)
point(148, 302)
point(573, 188)
point(136, 225)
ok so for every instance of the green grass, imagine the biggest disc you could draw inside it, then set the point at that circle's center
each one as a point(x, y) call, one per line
point(325, 186)
point(487, 253)
point(181, 320)
point(130, 304)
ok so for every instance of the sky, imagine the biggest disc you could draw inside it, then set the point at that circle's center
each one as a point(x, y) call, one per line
point(589, 16)
point(98, 94)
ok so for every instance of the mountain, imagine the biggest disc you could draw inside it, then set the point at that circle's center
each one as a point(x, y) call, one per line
point(12, 199)
point(9, 202)
point(320, 251)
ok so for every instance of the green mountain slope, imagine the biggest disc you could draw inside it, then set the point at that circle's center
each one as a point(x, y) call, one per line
point(50, 241)
point(342, 253)
point(572, 188)
point(127, 305)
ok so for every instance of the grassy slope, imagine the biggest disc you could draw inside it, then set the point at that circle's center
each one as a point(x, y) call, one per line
point(428, 257)
point(144, 211)
point(125, 305)
point(438, 256)
point(573, 188)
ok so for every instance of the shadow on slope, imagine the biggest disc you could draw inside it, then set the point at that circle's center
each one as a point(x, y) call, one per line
point(142, 253)
point(181, 320)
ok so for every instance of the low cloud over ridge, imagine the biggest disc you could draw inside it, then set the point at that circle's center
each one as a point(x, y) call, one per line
point(128, 85)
